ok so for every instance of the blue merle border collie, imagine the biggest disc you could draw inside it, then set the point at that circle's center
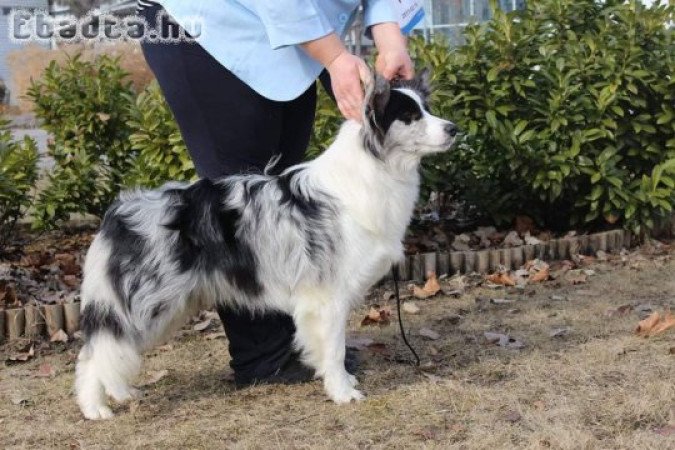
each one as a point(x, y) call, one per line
point(308, 242)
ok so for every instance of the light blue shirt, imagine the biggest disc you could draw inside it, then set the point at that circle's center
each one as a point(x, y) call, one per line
point(257, 40)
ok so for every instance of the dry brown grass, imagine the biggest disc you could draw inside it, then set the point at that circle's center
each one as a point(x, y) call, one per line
point(29, 62)
point(599, 387)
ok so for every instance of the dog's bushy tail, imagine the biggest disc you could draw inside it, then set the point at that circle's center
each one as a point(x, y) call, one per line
point(110, 358)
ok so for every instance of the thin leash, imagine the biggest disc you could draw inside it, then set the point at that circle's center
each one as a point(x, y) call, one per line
point(395, 274)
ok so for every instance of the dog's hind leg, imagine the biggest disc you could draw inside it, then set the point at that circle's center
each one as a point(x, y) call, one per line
point(308, 333)
point(106, 365)
point(108, 361)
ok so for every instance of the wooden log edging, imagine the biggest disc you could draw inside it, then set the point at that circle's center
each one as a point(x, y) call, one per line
point(39, 321)
point(512, 258)
point(42, 321)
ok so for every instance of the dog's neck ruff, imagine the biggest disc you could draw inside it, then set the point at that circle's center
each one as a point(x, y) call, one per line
point(380, 196)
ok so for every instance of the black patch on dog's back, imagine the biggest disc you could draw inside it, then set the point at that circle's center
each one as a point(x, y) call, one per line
point(95, 318)
point(314, 210)
point(309, 207)
point(207, 238)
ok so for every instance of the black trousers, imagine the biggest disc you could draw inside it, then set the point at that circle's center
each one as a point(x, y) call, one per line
point(228, 129)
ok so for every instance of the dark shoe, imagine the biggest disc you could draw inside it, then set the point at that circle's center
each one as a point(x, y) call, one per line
point(295, 372)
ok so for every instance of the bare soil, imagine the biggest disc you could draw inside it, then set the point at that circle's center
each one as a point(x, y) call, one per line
point(594, 385)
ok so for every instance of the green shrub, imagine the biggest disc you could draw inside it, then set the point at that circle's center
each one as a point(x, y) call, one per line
point(568, 112)
point(162, 155)
point(85, 106)
point(18, 173)
point(327, 122)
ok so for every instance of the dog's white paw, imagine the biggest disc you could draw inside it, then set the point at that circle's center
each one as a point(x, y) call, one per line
point(348, 396)
point(98, 413)
point(341, 390)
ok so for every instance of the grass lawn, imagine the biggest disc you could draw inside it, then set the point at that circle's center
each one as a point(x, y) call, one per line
point(594, 385)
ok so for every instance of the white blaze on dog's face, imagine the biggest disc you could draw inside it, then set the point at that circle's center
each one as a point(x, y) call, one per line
point(397, 120)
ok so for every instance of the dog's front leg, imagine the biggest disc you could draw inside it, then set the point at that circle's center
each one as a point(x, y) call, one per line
point(338, 383)
point(320, 319)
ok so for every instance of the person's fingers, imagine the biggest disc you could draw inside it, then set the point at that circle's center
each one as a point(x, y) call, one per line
point(390, 71)
point(349, 110)
point(408, 71)
point(347, 86)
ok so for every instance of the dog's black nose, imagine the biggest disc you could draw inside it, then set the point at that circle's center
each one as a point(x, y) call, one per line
point(451, 129)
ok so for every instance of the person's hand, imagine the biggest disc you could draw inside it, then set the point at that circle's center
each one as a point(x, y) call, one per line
point(395, 63)
point(347, 72)
point(393, 60)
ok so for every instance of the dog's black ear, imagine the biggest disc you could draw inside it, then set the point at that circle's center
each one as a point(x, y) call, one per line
point(377, 99)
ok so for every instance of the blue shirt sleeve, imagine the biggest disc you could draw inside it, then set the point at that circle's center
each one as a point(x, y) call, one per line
point(292, 22)
point(378, 11)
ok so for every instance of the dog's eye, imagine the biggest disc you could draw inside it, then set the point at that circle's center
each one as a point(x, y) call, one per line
point(410, 116)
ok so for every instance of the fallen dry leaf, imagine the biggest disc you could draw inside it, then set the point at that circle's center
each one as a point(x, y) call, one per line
point(45, 370)
point(71, 281)
point(377, 315)
point(655, 324)
point(451, 319)
point(23, 357)
point(576, 277)
point(501, 278)
point(513, 416)
point(668, 321)
point(501, 301)
point(430, 288)
point(411, 308)
point(560, 332)
point(67, 263)
point(59, 336)
point(154, 376)
point(503, 340)
point(540, 276)
point(429, 433)
point(512, 240)
point(21, 400)
point(668, 430)
point(164, 348)
point(201, 326)
point(620, 311)
point(429, 334)
point(217, 335)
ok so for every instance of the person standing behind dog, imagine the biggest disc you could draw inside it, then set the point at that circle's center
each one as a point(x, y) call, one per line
point(246, 91)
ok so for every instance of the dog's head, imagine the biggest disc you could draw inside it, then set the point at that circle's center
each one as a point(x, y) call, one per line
point(397, 121)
